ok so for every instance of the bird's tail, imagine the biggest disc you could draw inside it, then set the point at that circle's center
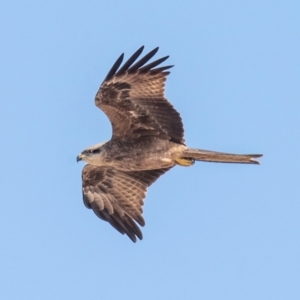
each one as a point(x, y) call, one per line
point(190, 155)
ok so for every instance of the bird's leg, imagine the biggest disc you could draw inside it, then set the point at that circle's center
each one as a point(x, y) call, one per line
point(184, 161)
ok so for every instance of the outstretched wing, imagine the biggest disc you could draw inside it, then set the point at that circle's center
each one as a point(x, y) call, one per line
point(133, 99)
point(117, 196)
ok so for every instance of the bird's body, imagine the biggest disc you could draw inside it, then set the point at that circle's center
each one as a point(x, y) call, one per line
point(149, 153)
point(147, 140)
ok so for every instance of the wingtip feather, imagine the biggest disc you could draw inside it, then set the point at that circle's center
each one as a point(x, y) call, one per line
point(115, 67)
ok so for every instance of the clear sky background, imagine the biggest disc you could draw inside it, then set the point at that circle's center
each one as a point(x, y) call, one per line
point(213, 231)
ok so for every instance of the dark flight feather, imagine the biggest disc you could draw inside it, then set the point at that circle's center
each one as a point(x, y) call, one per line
point(143, 60)
point(153, 64)
point(114, 68)
point(130, 61)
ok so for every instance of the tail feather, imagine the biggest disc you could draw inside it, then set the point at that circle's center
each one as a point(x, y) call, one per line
point(211, 156)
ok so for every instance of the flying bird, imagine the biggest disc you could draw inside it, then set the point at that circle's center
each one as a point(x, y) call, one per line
point(147, 141)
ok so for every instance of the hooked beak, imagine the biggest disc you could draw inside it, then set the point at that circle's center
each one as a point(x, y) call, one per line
point(79, 157)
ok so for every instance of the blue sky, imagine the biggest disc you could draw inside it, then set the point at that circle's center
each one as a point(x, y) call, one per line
point(213, 231)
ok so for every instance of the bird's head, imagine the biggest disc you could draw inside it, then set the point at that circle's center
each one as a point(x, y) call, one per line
point(92, 155)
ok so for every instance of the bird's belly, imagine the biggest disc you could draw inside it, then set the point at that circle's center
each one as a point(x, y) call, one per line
point(149, 155)
point(139, 163)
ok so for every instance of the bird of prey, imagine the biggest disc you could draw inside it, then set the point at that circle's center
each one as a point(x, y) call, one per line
point(147, 141)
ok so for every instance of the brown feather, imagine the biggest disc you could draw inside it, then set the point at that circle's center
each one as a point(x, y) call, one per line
point(117, 196)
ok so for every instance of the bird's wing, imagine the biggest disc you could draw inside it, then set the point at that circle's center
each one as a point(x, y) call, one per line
point(132, 97)
point(117, 196)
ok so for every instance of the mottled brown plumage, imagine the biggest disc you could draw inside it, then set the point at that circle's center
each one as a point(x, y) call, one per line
point(147, 140)
point(133, 99)
point(117, 196)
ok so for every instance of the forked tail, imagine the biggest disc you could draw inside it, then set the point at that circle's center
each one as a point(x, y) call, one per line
point(211, 156)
